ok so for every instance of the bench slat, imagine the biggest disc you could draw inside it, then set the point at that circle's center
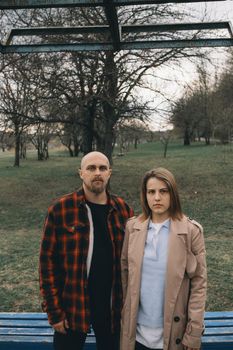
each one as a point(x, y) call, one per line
point(219, 331)
point(22, 345)
point(23, 315)
point(211, 315)
point(210, 346)
point(48, 331)
point(218, 339)
point(215, 323)
point(26, 331)
point(23, 323)
point(25, 339)
point(33, 339)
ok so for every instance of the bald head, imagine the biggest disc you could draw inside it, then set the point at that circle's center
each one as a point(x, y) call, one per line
point(92, 157)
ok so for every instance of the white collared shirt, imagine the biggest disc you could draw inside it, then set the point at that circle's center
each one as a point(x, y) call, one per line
point(151, 307)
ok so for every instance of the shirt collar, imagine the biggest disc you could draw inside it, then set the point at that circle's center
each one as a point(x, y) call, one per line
point(82, 199)
point(165, 223)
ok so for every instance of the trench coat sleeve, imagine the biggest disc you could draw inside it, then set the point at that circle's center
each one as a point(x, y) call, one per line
point(198, 285)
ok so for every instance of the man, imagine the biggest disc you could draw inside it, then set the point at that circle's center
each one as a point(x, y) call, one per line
point(80, 276)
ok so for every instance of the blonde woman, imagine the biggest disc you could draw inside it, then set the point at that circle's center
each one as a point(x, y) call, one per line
point(163, 272)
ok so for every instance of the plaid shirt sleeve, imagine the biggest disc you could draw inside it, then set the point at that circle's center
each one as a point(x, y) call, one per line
point(49, 272)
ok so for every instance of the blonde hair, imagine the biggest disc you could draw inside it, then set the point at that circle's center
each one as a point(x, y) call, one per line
point(167, 177)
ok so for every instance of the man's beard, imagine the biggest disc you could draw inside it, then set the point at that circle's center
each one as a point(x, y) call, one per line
point(95, 188)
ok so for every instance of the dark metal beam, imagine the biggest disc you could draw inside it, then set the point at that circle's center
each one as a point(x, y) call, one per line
point(32, 31)
point(26, 4)
point(137, 45)
point(176, 44)
point(112, 18)
point(39, 48)
point(155, 2)
point(230, 29)
point(176, 27)
point(35, 31)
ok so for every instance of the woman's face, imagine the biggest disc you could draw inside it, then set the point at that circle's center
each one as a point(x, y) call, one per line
point(158, 199)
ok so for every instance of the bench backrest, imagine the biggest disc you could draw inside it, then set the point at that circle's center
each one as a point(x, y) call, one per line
point(31, 331)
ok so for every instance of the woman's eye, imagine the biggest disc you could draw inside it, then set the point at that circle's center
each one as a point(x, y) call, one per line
point(151, 192)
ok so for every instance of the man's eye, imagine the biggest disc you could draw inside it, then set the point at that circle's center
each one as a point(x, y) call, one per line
point(103, 168)
point(91, 168)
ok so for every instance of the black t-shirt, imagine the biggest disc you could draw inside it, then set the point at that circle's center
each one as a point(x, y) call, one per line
point(100, 276)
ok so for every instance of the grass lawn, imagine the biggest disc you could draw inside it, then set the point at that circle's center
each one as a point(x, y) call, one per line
point(204, 175)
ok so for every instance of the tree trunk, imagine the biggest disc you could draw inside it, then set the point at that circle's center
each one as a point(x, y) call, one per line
point(108, 144)
point(207, 140)
point(110, 117)
point(108, 137)
point(17, 146)
point(40, 155)
point(23, 149)
point(165, 150)
point(76, 146)
point(70, 151)
point(87, 132)
point(186, 137)
point(46, 150)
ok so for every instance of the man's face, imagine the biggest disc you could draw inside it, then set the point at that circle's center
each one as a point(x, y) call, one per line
point(95, 172)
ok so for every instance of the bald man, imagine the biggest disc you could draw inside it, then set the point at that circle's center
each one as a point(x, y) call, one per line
point(80, 278)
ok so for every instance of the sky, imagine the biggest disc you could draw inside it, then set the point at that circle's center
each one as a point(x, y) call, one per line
point(172, 79)
point(219, 10)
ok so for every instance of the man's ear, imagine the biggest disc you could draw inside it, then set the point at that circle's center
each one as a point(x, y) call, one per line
point(80, 173)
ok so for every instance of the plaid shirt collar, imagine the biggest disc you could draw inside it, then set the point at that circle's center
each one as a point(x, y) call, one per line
point(81, 198)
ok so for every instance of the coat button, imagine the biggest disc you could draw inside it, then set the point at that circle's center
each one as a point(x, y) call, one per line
point(178, 341)
point(176, 318)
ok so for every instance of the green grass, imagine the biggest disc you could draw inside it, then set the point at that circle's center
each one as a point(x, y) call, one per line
point(204, 175)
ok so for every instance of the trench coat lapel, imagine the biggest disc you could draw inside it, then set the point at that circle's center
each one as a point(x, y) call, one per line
point(176, 263)
point(137, 241)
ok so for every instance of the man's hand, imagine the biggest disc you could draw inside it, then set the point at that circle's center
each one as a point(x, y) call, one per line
point(187, 348)
point(61, 327)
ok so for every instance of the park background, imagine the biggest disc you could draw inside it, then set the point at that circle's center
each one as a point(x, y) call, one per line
point(154, 108)
point(204, 175)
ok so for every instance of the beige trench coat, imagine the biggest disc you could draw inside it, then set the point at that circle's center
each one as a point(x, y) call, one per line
point(185, 287)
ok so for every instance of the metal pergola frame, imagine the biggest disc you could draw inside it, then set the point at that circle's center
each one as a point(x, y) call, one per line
point(113, 28)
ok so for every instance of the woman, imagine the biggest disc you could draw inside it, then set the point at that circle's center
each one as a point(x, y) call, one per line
point(163, 272)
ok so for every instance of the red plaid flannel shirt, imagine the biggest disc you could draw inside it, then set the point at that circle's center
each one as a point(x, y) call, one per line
point(63, 255)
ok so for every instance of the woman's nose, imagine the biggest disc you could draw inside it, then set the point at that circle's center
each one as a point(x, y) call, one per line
point(157, 195)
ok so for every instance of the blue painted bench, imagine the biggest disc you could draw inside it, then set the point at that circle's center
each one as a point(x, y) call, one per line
point(31, 331)
point(218, 331)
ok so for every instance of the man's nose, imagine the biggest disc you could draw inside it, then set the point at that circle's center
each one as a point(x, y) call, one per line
point(97, 171)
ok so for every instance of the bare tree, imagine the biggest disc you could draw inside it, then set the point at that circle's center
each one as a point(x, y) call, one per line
point(40, 139)
point(165, 137)
point(95, 90)
point(14, 104)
